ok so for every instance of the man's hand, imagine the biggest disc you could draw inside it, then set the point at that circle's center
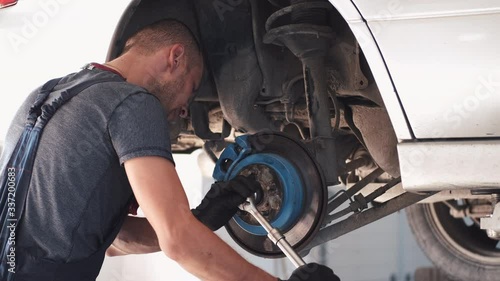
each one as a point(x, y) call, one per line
point(222, 200)
point(313, 272)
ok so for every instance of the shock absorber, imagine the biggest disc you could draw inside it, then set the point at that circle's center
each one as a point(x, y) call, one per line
point(308, 36)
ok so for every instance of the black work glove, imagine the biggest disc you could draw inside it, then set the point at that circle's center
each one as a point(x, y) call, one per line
point(222, 200)
point(313, 272)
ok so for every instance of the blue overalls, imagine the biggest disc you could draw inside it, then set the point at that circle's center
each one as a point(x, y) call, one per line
point(15, 181)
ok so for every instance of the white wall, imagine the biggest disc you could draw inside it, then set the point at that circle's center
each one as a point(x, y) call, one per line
point(43, 39)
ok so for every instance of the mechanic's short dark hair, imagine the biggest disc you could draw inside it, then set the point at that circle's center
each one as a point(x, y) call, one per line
point(162, 33)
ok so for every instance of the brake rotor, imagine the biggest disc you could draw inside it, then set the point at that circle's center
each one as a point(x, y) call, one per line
point(293, 197)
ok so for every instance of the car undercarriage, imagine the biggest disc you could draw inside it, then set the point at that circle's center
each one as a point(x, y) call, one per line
point(291, 75)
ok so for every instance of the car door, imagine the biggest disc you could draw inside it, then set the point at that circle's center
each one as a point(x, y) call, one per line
point(444, 61)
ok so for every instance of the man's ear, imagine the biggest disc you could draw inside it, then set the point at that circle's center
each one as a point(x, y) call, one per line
point(176, 57)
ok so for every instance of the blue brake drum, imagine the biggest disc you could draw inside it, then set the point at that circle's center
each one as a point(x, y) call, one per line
point(287, 159)
point(291, 183)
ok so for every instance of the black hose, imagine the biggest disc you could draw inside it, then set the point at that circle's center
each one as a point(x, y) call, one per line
point(207, 148)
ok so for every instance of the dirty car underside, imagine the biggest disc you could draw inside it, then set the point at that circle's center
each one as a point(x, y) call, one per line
point(289, 95)
point(293, 72)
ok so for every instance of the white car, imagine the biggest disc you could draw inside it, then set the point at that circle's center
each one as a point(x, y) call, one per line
point(396, 99)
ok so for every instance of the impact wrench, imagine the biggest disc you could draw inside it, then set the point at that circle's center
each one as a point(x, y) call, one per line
point(272, 233)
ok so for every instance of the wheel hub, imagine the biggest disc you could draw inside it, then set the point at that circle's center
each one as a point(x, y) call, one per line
point(268, 200)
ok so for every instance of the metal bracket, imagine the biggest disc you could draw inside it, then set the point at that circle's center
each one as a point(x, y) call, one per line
point(492, 224)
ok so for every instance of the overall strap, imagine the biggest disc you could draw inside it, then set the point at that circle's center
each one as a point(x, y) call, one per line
point(41, 97)
point(16, 177)
point(48, 110)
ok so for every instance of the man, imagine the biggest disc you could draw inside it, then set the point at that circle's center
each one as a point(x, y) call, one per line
point(111, 141)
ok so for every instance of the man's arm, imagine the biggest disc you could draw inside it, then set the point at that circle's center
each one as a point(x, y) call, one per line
point(136, 236)
point(181, 236)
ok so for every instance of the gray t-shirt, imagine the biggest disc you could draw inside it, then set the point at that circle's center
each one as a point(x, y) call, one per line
point(79, 188)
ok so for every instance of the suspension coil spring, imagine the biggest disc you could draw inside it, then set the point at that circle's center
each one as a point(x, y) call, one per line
point(302, 12)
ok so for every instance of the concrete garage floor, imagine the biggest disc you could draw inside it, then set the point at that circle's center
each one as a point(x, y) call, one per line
point(382, 251)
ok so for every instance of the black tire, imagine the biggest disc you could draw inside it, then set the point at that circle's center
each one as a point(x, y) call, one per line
point(463, 251)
